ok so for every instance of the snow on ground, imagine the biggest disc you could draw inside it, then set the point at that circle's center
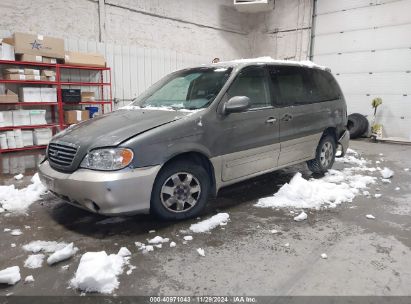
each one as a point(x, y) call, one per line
point(16, 232)
point(44, 246)
point(18, 176)
point(18, 200)
point(34, 261)
point(124, 252)
point(211, 223)
point(370, 216)
point(173, 244)
point(10, 275)
point(158, 239)
point(62, 254)
point(201, 251)
point(336, 187)
point(98, 272)
point(301, 217)
point(387, 173)
point(29, 279)
point(188, 238)
point(324, 256)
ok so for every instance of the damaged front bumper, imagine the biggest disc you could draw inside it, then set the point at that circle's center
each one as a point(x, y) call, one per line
point(117, 192)
point(343, 143)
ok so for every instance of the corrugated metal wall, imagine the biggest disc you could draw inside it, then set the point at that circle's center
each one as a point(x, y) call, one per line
point(135, 68)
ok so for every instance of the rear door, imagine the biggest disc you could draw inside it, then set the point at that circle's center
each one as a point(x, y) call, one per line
point(300, 119)
point(251, 138)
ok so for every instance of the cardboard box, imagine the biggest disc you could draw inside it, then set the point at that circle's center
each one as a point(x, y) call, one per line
point(32, 72)
point(25, 77)
point(75, 116)
point(13, 71)
point(48, 94)
point(38, 117)
point(49, 60)
point(30, 58)
point(48, 73)
point(27, 136)
point(9, 97)
point(87, 96)
point(37, 45)
point(30, 94)
point(6, 118)
point(6, 51)
point(85, 59)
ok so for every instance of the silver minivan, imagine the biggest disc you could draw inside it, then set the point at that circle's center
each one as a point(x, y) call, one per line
point(196, 131)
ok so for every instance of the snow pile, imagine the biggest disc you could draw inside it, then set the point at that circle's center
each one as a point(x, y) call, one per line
point(98, 272)
point(10, 275)
point(16, 232)
point(324, 256)
point(12, 199)
point(188, 238)
point(29, 279)
point(34, 261)
point(335, 188)
point(201, 251)
point(386, 173)
point(351, 159)
point(173, 244)
point(124, 252)
point(211, 223)
point(45, 246)
point(301, 217)
point(158, 239)
point(62, 254)
point(18, 176)
point(370, 217)
point(143, 247)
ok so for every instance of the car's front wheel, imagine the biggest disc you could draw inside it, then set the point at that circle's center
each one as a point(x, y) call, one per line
point(324, 155)
point(180, 191)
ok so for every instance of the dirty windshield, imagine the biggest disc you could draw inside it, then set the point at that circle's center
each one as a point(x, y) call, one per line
point(187, 89)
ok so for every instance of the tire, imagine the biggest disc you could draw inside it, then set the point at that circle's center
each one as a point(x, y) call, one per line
point(357, 125)
point(173, 198)
point(323, 160)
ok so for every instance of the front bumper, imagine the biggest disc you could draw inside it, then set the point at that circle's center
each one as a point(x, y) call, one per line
point(343, 143)
point(118, 192)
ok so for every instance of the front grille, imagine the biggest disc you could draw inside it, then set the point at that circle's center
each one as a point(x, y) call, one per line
point(61, 154)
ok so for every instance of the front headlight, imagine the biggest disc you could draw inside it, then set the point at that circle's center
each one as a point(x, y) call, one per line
point(107, 159)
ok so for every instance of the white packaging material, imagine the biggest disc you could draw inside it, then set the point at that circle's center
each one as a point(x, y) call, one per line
point(18, 138)
point(11, 142)
point(21, 118)
point(30, 94)
point(42, 136)
point(6, 118)
point(3, 141)
point(38, 117)
point(27, 136)
point(48, 94)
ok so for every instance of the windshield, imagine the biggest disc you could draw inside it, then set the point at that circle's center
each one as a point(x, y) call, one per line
point(187, 89)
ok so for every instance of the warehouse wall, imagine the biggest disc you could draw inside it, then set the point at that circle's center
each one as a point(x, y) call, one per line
point(210, 28)
point(283, 33)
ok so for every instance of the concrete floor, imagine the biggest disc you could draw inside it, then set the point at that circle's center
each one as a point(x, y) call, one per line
point(365, 257)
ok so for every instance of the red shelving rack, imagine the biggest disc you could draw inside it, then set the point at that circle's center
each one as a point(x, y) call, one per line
point(58, 83)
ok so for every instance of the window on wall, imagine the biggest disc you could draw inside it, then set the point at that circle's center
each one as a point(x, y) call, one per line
point(290, 85)
point(253, 83)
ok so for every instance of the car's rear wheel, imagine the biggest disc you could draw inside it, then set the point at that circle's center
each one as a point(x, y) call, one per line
point(180, 191)
point(324, 155)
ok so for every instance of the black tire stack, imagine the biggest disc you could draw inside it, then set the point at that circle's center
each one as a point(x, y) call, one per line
point(357, 125)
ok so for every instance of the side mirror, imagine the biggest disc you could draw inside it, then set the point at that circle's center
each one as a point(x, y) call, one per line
point(237, 104)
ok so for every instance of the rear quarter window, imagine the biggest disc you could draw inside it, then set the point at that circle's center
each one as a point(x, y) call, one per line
point(323, 86)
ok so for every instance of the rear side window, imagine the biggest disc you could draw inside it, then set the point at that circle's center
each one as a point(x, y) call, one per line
point(289, 84)
point(323, 86)
point(253, 83)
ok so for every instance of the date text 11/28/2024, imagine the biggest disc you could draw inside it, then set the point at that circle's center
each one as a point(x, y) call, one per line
point(204, 299)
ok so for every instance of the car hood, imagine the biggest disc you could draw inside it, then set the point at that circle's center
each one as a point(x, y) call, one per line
point(114, 128)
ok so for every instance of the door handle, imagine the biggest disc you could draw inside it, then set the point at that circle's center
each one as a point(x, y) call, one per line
point(287, 117)
point(271, 120)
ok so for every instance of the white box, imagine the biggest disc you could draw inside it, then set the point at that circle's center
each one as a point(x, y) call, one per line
point(21, 118)
point(3, 141)
point(6, 51)
point(38, 117)
point(18, 138)
point(48, 94)
point(30, 94)
point(27, 136)
point(11, 142)
point(42, 136)
point(6, 118)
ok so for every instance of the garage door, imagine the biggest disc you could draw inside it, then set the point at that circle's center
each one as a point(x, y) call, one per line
point(367, 45)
